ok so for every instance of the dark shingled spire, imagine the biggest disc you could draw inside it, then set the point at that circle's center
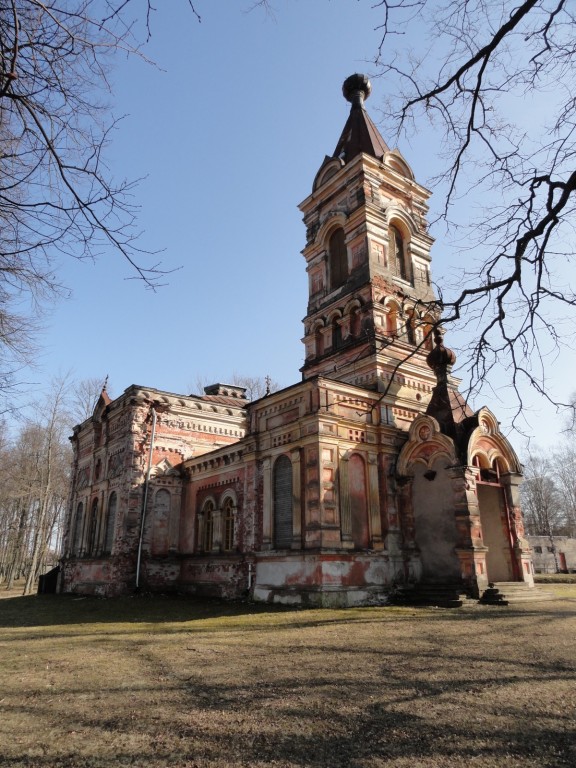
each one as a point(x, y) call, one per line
point(359, 134)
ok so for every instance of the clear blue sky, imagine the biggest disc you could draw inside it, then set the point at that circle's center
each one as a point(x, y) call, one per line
point(227, 133)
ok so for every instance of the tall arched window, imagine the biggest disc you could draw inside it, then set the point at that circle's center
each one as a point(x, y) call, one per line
point(208, 537)
point(358, 501)
point(397, 253)
point(161, 523)
point(392, 320)
point(428, 332)
point(319, 341)
point(78, 525)
point(410, 328)
point(110, 524)
point(336, 334)
point(283, 503)
point(228, 521)
point(355, 322)
point(337, 259)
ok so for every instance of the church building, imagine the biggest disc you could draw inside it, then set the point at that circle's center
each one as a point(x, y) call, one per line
point(369, 478)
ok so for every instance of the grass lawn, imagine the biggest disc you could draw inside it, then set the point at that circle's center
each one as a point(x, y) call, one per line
point(175, 682)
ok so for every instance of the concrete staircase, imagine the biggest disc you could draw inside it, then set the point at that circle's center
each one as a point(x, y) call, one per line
point(511, 592)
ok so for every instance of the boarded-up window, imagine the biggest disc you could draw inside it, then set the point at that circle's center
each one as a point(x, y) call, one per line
point(283, 503)
point(110, 524)
point(338, 259)
point(161, 522)
point(78, 524)
point(358, 501)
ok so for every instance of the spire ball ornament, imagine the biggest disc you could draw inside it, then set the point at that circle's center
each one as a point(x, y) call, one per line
point(441, 357)
point(356, 89)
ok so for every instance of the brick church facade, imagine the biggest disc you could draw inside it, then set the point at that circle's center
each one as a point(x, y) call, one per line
point(370, 475)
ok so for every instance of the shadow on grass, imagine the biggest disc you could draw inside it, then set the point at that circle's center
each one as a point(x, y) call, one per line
point(67, 610)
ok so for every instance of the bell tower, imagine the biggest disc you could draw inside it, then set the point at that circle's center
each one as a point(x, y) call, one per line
point(371, 303)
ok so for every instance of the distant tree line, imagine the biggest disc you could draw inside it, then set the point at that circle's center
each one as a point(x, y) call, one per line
point(35, 460)
point(549, 490)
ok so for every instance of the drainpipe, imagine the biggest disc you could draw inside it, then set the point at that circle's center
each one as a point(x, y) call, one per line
point(145, 501)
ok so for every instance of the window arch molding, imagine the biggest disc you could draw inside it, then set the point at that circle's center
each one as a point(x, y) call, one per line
point(334, 220)
point(229, 493)
point(327, 171)
point(353, 304)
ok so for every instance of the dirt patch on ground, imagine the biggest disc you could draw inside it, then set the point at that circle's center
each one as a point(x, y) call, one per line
point(171, 682)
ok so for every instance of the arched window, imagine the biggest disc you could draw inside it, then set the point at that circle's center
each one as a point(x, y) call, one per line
point(208, 537)
point(283, 503)
point(228, 520)
point(410, 329)
point(161, 522)
point(358, 502)
point(318, 341)
point(428, 332)
point(355, 322)
point(337, 259)
point(78, 524)
point(110, 524)
point(397, 253)
point(392, 320)
point(336, 334)
point(93, 534)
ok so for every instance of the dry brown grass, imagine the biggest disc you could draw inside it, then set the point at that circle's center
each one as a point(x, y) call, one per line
point(172, 682)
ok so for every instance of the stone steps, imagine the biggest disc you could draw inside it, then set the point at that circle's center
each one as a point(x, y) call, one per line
point(436, 595)
point(511, 592)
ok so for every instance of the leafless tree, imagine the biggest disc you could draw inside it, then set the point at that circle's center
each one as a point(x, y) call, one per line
point(58, 199)
point(84, 395)
point(255, 386)
point(497, 79)
point(541, 499)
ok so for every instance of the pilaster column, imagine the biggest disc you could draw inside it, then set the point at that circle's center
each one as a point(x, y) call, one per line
point(296, 500)
point(522, 552)
point(345, 509)
point(267, 504)
point(198, 544)
point(470, 549)
point(374, 502)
